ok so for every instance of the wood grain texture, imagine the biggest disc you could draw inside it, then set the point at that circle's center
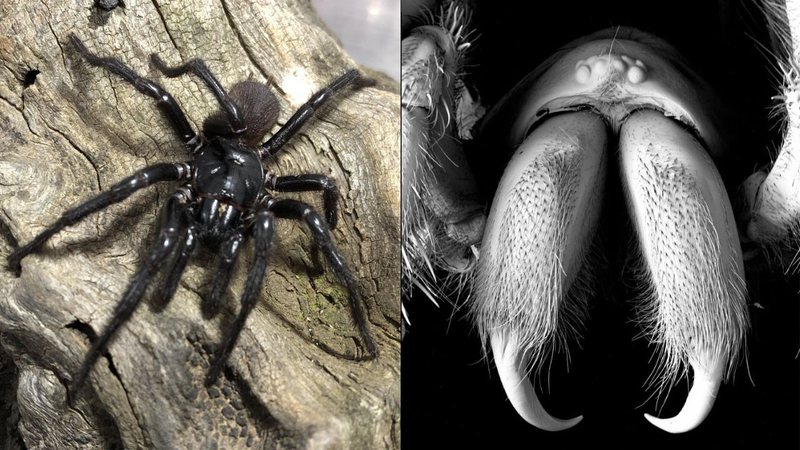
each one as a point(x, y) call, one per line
point(69, 130)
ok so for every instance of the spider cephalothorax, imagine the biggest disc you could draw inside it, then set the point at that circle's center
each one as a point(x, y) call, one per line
point(224, 198)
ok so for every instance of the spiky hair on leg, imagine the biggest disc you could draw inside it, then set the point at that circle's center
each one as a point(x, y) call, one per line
point(442, 218)
point(771, 205)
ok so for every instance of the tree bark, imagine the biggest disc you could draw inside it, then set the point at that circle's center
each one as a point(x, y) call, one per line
point(68, 130)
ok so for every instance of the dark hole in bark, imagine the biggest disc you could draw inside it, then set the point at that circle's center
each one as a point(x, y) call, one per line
point(30, 77)
point(89, 332)
point(108, 426)
point(84, 329)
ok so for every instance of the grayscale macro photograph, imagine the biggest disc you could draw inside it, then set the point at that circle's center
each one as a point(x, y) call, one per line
point(600, 224)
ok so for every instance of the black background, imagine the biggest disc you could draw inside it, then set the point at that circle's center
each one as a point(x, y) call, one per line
point(451, 395)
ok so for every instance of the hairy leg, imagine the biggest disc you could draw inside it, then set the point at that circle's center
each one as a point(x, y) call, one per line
point(118, 192)
point(262, 231)
point(199, 68)
point(183, 252)
point(230, 251)
point(173, 225)
point(293, 209)
point(165, 102)
point(312, 182)
point(305, 112)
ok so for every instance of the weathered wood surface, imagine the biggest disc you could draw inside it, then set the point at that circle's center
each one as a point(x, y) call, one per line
point(69, 130)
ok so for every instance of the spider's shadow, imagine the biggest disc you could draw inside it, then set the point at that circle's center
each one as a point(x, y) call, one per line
point(8, 235)
point(283, 258)
point(113, 230)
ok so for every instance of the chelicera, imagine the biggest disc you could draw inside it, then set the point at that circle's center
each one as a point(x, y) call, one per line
point(225, 198)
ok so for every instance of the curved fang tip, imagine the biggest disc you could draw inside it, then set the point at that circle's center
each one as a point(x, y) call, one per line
point(699, 402)
point(520, 390)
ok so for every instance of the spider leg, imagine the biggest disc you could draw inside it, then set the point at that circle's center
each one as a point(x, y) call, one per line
point(118, 192)
point(165, 102)
point(199, 68)
point(293, 209)
point(312, 182)
point(262, 231)
point(184, 250)
point(301, 116)
point(230, 250)
point(173, 225)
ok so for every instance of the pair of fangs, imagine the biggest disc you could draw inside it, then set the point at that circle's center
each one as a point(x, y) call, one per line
point(627, 102)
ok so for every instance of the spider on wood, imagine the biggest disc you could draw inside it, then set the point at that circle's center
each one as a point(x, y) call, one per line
point(223, 199)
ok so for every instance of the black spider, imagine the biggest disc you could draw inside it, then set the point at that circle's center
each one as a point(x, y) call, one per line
point(224, 197)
